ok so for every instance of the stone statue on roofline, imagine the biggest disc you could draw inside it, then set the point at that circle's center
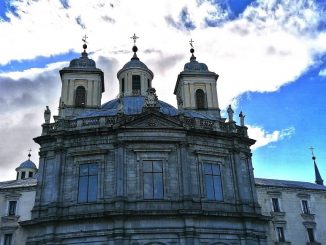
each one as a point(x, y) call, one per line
point(47, 115)
point(230, 113)
point(242, 116)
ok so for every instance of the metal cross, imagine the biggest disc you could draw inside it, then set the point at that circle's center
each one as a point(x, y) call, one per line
point(135, 38)
point(312, 151)
point(29, 152)
point(191, 42)
point(84, 39)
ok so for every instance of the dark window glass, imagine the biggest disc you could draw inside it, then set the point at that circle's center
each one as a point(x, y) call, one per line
point(12, 208)
point(87, 186)
point(123, 85)
point(30, 174)
point(213, 182)
point(276, 206)
point(280, 234)
point(8, 239)
point(311, 235)
point(136, 83)
point(305, 207)
point(80, 100)
point(148, 83)
point(153, 179)
point(23, 175)
point(200, 99)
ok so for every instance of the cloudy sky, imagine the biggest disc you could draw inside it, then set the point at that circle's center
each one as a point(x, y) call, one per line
point(270, 55)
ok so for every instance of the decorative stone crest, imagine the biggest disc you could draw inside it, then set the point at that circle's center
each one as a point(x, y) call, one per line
point(47, 115)
point(120, 106)
point(151, 98)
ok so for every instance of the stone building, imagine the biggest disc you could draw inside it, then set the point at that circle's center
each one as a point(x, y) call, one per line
point(16, 202)
point(136, 170)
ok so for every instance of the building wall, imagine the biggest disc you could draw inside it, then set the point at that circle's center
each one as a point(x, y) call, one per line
point(25, 197)
point(291, 216)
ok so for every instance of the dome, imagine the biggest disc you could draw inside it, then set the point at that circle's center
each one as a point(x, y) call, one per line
point(82, 62)
point(135, 63)
point(195, 66)
point(134, 105)
point(27, 164)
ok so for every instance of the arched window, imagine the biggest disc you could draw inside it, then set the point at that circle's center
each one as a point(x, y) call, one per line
point(80, 99)
point(200, 99)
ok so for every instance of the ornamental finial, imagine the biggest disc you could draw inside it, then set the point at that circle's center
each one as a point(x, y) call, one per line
point(29, 153)
point(192, 50)
point(84, 39)
point(134, 37)
point(134, 48)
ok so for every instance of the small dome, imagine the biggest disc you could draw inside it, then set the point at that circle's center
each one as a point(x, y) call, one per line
point(195, 66)
point(82, 62)
point(135, 64)
point(27, 164)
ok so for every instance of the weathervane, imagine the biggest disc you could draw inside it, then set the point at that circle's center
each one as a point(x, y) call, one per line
point(134, 37)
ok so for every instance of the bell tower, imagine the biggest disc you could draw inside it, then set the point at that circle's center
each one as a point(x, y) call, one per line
point(82, 85)
point(196, 88)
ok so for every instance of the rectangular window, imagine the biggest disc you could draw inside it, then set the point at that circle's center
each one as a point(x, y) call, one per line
point(23, 175)
point(12, 208)
point(153, 179)
point(87, 191)
point(213, 183)
point(280, 234)
point(135, 82)
point(276, 205)
point(311, 235)
point(148, 83)
point(30, 174)
point(305, 207)
point(123, 85)
point(8, 239)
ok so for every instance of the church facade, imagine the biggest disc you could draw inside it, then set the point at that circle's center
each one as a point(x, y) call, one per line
point(137, 171)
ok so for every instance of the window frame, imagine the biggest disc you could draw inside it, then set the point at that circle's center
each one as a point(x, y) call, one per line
point(305, 207)
point(219, 164)
point(278, 209)
point(9, 207)
point(5, 236)
point(202, 106)
point(152, 178)
point(84, 94)
point(311, 234)
point(280, 235)
point(134, 88)
point(88, 190)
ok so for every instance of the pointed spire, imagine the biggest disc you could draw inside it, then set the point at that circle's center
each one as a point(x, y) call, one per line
point(318, 179)
point(192, 50)
point(134, 48)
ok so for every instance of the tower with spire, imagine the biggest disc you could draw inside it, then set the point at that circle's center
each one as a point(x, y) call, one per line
point(318, 179)
point(195, 88)
point(134, 78)
point(82, 85)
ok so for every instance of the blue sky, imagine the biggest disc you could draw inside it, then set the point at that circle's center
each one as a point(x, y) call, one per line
point(270, 55)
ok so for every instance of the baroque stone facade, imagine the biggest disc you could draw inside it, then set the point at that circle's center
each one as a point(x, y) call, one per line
point(130, 173)
point(138, 171)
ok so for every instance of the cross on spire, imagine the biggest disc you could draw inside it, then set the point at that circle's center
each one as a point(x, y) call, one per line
point(84, 39)
point(134, 37)
point(312, 151)
point(191, 42)
point(29, 153)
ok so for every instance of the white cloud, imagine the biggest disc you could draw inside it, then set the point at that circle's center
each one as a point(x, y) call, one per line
point(322, 73)
point(264, 138)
